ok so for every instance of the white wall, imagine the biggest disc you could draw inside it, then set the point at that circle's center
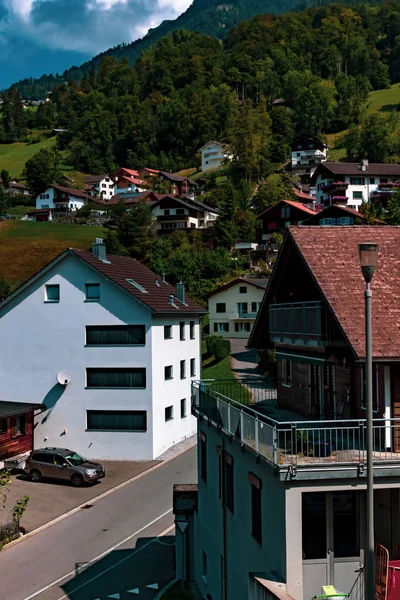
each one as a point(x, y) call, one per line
point(212, 156)
point(366, 189)
point(231, 297)
point(50, 202)
point(302, 157)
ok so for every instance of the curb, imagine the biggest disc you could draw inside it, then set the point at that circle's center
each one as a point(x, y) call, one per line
point(97, 498)
point(165, 589)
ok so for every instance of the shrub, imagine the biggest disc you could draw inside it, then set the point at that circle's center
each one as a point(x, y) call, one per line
point(218, 347)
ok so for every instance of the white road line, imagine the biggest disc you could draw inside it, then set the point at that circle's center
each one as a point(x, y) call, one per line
point(47, 587)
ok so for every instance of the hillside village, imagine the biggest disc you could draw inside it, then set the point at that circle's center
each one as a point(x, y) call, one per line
point(199, 315)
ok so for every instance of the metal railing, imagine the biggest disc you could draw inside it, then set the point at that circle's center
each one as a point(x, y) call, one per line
point(248, 391)
point(295, 443)
point(299, 320)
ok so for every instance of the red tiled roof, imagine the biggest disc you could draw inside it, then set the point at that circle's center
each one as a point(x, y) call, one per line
point(260, 283)
point(331, 254)
point(156, 297)
point(134, 180)
point(298, 205)
point(130, 171)
point(303, 196)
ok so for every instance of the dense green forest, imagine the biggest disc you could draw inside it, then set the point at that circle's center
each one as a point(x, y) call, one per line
point(211, 17)
point(190, 88)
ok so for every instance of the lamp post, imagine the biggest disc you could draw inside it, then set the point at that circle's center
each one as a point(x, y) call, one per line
point(368, 261)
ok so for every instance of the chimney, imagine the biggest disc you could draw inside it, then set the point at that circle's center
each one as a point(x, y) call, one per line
point(180, 292)
point(171, 301)
point(364, 164)
point(163, 279)
point(99, 250)
point(157, 283)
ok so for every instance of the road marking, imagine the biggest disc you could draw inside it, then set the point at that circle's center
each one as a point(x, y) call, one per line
point(153, 586)
point(50, 585)
point(100, 497)
point(116, 596)
point(135, 591)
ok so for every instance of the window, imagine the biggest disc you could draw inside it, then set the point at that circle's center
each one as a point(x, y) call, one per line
point(103, 185)
point(166, 212)
point(221, 327)
point(204, 566)
point(18, 426)
point(167, 332)
point(168, 374)
point(372, 180)
point(183, 369)
point(383, 180)
point(192, 367)
point(42, 457)
point(117, 420)
point(254, 307)
point(243, 308)
point(52, 293)
point(169, 413)
point(256, 512)
point(191, 327)
point(357, 180)
point(242, 326)
point(92, 292)
point(115, 335)
point(116, 378)
point(182, 331)
point(375, 388)
point(243, 290)
point(183, 408)
point(45, 206)
point(287, 372)
point(3, 425)
point(180, 211)
point(203, 456)
point(228, 482)
point(357, 195)
point(220, 307)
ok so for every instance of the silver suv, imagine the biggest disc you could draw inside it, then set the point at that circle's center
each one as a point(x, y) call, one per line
point(60, 463)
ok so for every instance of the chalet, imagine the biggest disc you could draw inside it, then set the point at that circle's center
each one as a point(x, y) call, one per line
point(100, 185)
point(351, 184)
point(179, 184)
point(147, 173)
point(16, 188)
point(307, 152)
point(214, 154)
point(339, 215)
point(59, 200)
point(278, 217)
point(173, 211)
point(16, 428)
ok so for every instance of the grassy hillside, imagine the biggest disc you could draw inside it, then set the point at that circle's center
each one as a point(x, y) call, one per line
point(14, 156)
point(26, 247)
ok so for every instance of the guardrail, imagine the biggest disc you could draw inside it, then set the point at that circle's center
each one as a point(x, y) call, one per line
point(300, 442)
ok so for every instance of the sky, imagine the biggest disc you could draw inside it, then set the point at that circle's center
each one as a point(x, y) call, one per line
point(49, 36)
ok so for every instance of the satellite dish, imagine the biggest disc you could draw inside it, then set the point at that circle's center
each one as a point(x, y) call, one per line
point(63, 378)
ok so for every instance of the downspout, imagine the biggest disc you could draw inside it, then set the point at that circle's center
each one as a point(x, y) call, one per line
point(224, 541)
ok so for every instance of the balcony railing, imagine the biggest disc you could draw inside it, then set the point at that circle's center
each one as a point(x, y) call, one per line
point(298, 444)
point(335, 185)
point(242, 315)
point(298, 322)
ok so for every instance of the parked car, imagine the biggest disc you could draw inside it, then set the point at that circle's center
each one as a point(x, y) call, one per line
point(61, 463)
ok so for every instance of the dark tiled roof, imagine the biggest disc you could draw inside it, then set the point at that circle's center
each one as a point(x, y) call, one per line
point(343, 168)
point(331, 254)
point(156, 297)
point(334, 209)
point(70, 191)
point(8, 409)
point(94, 178)
point(257, 282)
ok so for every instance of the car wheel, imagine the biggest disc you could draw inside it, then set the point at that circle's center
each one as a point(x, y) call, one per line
point(36, 476)
point(77, 480)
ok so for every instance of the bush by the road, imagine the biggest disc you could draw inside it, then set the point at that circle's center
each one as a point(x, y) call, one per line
point(218, 347)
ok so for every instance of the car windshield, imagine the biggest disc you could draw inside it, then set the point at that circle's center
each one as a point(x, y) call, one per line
point(75, 459)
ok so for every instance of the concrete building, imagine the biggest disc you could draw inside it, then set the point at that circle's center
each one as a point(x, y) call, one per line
point(109, 349)
point(233, 307)
point(307, 152)
point(351, 184)
point(172, 211)
point(213, 155)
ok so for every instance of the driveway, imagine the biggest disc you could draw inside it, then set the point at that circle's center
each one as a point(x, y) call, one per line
point(50, 499)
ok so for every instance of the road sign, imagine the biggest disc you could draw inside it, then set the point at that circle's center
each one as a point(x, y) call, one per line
point(182, 526)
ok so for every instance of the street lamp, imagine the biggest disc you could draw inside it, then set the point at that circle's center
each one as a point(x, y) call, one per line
point(368, 261)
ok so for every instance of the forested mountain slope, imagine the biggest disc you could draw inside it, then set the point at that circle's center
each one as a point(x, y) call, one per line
point(211, 17)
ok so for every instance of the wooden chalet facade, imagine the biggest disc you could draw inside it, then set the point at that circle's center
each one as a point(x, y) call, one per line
point(278, 217)
point(313, 316)
point(16, 428)
point(339, 215)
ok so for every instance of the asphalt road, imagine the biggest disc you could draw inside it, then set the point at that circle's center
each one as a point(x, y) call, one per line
point(106, 551)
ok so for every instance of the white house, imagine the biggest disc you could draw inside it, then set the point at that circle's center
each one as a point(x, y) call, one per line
point(213, 154)
point(100, 185)
point(109, 348)
point(61, 198)
point(172, 211)
point(233, 307)
point(307, 151)
point(351, 184)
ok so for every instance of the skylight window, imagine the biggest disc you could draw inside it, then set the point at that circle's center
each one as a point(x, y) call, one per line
point(137, 285)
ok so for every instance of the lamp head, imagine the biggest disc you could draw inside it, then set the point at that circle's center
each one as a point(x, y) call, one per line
point(368, 252)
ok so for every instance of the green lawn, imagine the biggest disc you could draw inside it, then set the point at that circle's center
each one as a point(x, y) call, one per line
point(14, 156)
point(384, 100)
point(20, 210)
point(225, 381)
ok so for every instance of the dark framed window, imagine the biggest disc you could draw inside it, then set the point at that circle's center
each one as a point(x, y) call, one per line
point(287, 372)
point(3, 425)
point(357, 180)
point(52, 293)
point(254, 307)
point(228, 482)
point(115, 335)
point(204, 566)
point(116, 378)
point(182, 331)
point(117, 420)
point(376, 385)
point(192, 330)
point(18, 426)
point(203, 457)
point(242, 289)
point(167, 332)
point(180, 211)
point(183, 369)
point(183, 408)
point(169, 413)
point(357, 195)
point(372, 180)
point(192, 367)
point(168, 372)
point(92, 292)
point(256, 512)
point(220, 307)
point(218, 327)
